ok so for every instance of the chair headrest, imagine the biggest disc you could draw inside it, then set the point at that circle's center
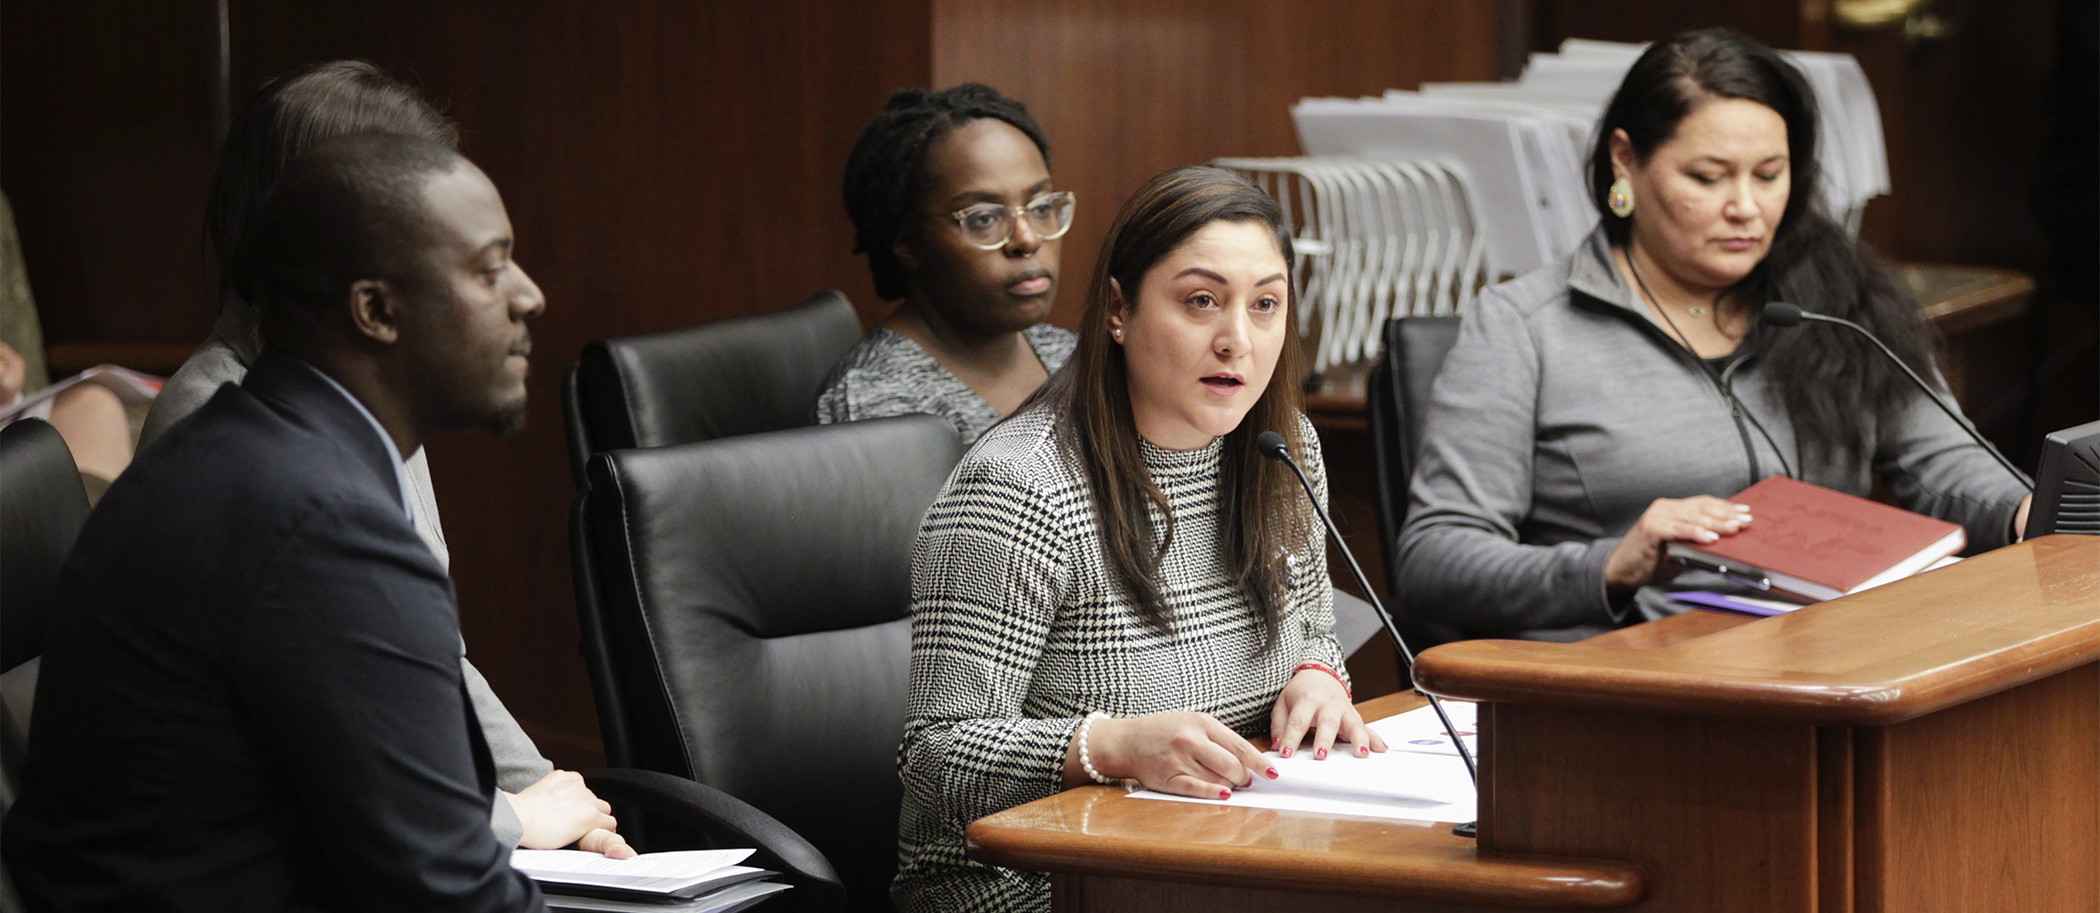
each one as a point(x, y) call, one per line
point(730, 377)
point(778, 534)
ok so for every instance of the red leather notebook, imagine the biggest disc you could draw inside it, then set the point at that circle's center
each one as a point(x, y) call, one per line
point(1811, 543)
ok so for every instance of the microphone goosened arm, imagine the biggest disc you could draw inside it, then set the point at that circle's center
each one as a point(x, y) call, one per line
point(1783, 314)
point(1273, 446)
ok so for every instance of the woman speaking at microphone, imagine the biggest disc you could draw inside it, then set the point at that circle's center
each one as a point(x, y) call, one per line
point(1598, 408)
point(1115, 584)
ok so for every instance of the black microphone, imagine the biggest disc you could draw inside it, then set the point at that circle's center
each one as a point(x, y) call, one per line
point(1782, 314)
point(1273, 446)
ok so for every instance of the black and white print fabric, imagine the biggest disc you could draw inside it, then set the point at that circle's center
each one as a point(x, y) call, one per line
point(887, 374)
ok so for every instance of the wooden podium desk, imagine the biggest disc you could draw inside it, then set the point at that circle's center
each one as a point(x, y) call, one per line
point(1931, 745)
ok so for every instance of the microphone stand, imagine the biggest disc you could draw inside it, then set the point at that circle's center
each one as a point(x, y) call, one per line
point(1784, 314)
point(1272, 445)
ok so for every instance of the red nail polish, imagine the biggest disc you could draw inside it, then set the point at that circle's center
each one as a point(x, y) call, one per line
point(1320, 755)
point(1224, 794)
point(1272, 773)
point(1286, 752)
point(1363, 751)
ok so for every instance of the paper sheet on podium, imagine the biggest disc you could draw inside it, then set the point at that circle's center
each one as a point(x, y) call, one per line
point(1419, 777)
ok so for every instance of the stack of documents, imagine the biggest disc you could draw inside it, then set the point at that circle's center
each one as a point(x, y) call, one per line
point(694, 881)
point(1522, 171)
point(1374, 238)
point(1418, 777)
point(129, 386)
point(1521, 146)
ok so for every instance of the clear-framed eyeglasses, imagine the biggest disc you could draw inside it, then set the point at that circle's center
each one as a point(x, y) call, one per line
point(988, 226)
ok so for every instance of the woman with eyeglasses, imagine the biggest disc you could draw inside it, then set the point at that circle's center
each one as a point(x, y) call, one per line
point(1115, 585)
point(952, 202)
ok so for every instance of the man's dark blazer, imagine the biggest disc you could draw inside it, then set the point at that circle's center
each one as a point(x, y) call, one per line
point(251, 696)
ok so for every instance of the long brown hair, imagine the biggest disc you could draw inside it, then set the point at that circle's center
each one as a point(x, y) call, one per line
point(1262, 515)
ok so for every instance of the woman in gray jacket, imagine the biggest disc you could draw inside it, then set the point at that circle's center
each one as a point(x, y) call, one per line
point(1600, 407)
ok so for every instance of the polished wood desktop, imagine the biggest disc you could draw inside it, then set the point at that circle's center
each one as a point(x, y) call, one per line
point(1933, 744)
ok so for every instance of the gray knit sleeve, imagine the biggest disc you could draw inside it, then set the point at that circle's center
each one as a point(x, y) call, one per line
point(835, 403)
point(213, 365)
point(1934, 467)
point(1461, 561)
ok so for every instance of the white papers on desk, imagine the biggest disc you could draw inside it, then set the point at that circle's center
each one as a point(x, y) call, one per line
point(1419, 777)
point(129, 386)
point(662, 873)
point(727, 900)
point(1419, 730)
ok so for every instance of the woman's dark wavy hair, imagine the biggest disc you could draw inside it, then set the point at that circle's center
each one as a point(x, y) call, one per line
point(1826, 379)
point(1263, 516)
point(288, 116)
point(886, 173)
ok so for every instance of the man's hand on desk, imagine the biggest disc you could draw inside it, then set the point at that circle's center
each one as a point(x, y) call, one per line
point(559, 810)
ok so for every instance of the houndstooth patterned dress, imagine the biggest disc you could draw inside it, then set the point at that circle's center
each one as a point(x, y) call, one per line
point(1019, 630)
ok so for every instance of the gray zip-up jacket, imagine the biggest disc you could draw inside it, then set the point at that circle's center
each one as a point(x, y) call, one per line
point(1563, 411)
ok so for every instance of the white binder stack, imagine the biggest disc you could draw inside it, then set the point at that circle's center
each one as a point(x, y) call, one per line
point(1854, 159)
point(1520, 147)
point(1375, 238)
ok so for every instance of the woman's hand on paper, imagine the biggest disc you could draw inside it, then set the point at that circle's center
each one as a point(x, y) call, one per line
point(1638, 559)
point(559, 810)
point(1315, 703)
point(1186, 753)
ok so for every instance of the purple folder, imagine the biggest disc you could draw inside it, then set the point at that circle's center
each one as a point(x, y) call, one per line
point(1745, 605)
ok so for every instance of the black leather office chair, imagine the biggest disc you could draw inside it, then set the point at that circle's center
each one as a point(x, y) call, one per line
point(1397, 398)
point(42, 507)
point(754, 630)
point(729, 377)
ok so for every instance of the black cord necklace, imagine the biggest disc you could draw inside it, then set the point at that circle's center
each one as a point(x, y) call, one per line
point(1656, 303)
point(1721, 379)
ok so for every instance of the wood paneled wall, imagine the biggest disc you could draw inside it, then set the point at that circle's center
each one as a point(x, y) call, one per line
point(664, 163)
point(105, 117)
point(1127, 90)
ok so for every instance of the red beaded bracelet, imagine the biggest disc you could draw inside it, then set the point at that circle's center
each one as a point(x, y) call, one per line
point(1323, 667)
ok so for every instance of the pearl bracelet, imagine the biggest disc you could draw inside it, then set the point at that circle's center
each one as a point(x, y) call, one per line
point(1087, 761)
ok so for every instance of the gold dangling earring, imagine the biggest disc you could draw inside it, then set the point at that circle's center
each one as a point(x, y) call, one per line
point(1620, 198)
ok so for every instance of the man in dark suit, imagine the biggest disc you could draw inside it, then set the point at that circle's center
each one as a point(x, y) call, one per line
point(252, 697)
